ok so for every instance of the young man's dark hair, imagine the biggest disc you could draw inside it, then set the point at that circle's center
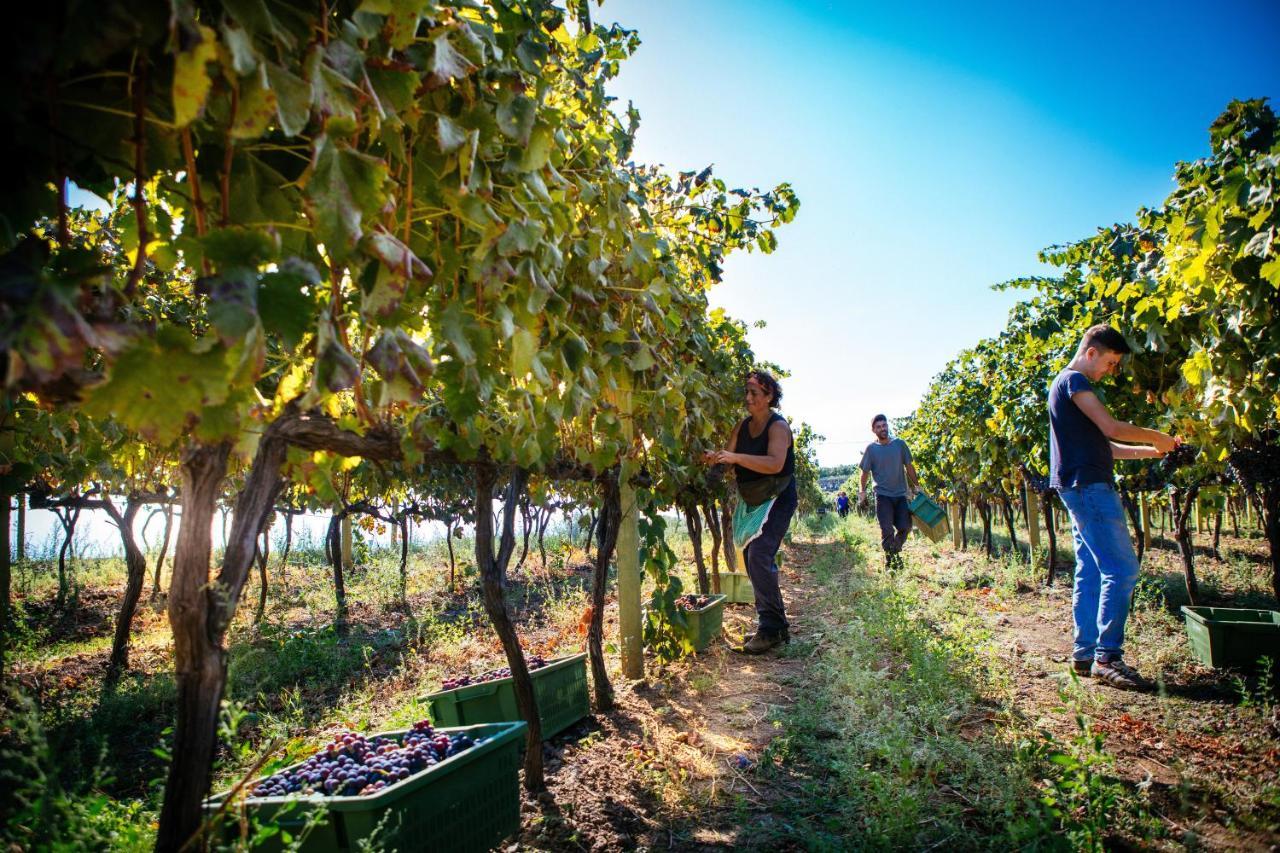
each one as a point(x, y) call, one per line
point(769, 384)
point(877, 419)
point(1103, 337)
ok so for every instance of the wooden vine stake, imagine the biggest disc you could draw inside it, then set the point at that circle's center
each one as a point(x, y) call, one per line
point(628, 558)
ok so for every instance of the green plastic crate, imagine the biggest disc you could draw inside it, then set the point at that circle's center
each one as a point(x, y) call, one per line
point(930, 518)
point(737, 588)
point(560, 689)
point(468, 802)
point(705, 624)
point(1227, 636)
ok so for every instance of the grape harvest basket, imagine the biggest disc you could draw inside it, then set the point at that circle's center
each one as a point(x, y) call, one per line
point(560, 689)
point(705, 622)
point(930, 519)
point(468, 802)
point(737, 588)
point(1232, 637)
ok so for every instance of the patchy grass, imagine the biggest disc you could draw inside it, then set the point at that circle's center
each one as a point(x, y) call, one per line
point(928, 709)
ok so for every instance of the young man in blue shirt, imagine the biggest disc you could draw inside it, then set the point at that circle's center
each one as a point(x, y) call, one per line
point(1083, 445)
point(889, 461)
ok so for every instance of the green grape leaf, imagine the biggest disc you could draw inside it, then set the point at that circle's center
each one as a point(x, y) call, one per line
point(162, 384)
point(446, 63)
point(293, 99)
point(538, 151)
point(515, 118)
point(286, 301)
point(256, 109)
point(450, 134)
point(232, 302)
point(336, 369)
point(244, 57)
point(342, 187)
point(524, 344)
point(453, 326)
point(395, 89)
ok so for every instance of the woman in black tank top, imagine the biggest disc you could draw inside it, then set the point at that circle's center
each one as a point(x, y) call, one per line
point(761, 446)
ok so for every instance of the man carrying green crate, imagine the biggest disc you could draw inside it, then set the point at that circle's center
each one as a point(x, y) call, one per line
point(1083, 448)
point(889, 461)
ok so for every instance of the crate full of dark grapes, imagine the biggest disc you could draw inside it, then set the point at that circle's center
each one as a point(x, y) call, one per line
point(736, 587)
point(1229, 636)
point(422, 789)
point(704, 615)
point(559, 686)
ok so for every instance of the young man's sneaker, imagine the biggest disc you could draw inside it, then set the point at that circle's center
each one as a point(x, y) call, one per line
point(1117, 673)
point(1083, 668)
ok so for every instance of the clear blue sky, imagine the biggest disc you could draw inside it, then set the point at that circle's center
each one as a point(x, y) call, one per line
point(935, 150)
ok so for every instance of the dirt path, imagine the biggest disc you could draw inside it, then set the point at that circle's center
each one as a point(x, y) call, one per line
point(672, 767)
point(1208, 762)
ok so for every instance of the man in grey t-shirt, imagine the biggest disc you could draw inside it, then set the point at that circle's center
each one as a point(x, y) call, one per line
point(889, 461)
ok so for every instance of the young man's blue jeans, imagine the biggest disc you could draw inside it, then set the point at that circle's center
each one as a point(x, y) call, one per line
point(1106, 570)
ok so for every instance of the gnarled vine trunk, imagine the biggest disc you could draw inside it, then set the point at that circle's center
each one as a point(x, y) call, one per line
point(453, 563)
point(984, 510)
point(1006, 507)
point(69, 517)
point(403, 524)
point(1217, 534)
point(726, 525)
point(1271, 526)
point(198, 658)
point(610, 520)
point(693, 524)
point(334, 538)
point(713, 524)
point(1134, 511)
point(492, 567)
point(544, 519)
point(526, 526)
point(1183, 502)
point(136, 567)
point(164, 551)
point(1046, 509)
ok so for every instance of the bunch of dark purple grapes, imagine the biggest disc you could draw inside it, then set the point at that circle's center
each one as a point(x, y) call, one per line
point(1037, 483)
point(691, 601)
point(354, 765)
point(1180, 457)
point(1256, 465)
point(1158, 474)
point(535, 662)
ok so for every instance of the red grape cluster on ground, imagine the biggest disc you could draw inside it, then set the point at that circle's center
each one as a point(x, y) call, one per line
point(535, 662)
point(355, 765)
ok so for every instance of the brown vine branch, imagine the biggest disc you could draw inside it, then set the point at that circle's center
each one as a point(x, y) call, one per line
point(197, 203)
point(228, 154)
point(59, 176)
point(139, 175)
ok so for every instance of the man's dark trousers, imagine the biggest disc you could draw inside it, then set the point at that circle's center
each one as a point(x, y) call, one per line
point(895, 524)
